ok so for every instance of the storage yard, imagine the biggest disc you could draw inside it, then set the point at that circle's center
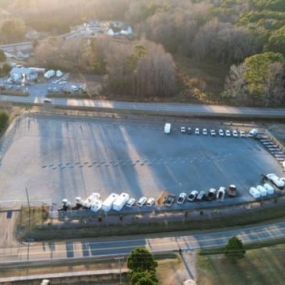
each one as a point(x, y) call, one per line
point(57, 158)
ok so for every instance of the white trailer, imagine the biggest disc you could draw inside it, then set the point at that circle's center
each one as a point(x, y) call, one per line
point(254, 192)
point(121, 201)
point(96, 205)
point(94, 196)
point(108, 203)
point(167, 128)
point(270, 189)
point(262, 190)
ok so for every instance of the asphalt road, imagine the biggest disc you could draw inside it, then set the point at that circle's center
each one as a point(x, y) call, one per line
point(163, 108)
point(48, 251)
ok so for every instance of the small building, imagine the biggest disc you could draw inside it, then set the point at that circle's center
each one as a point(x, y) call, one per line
point(24, 74)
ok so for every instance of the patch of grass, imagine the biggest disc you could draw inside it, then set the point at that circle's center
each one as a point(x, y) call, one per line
point(170, 271)
point(30, 219)
point(260, 266)
point(14, 93)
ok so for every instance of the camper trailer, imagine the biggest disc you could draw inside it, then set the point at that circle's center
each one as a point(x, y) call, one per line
point(121, 201)
point(108, 203)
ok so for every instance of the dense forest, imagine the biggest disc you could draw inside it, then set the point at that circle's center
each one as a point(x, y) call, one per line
point(218, 51)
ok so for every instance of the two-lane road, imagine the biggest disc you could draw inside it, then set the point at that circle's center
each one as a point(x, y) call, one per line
point(80, 249)
point(152, 108)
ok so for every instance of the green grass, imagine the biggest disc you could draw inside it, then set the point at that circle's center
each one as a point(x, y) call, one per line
point(260, 266)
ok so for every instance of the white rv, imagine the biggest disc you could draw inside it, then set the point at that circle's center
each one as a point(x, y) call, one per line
point(94, 196)
point(121, 201)
point(96, 205)
point(108, 203)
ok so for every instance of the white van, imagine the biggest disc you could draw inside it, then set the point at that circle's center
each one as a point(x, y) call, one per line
point(167, 128)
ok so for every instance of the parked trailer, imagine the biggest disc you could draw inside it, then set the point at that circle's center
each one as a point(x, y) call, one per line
point(96, 205)
point(108, 203)
point(261, 190)
point(269, 188)
point(167, 128)
point(254, 192)
point(121, 201)
point(94, 196)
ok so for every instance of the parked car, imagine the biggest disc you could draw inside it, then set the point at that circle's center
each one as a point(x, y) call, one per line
point(221, 193)
point(150, 202)
point(253, 133)
point(211, 194)
point(192, 196)
point(142, 201)
point(197, 131)
point(131, 202)
point(242, 134)
point(213, 133)
point(181, 198)
point(169, 200)
point(189, 130)
point(228, 133)
point(235, 133)
point(183, 130)
point(232, 191)
point(47, 101)
point(205, 132)
point(221, 132)
point(201, 195)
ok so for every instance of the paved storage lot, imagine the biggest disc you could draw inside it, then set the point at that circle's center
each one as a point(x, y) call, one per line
point(65, 157)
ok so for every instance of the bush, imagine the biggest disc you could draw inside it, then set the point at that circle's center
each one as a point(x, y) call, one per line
point(4, 118)
point(2, 56)
point(5, 70)
point(234, 249)
point(276, 42)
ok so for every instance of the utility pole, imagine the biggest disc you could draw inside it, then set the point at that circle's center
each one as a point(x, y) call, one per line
point(29, 223)
point(29, 206)
point(120, 266)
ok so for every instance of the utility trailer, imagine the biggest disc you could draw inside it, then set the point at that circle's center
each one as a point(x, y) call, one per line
point(121, 201)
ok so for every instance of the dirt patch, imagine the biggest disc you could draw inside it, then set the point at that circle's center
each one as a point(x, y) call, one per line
point(171, 272)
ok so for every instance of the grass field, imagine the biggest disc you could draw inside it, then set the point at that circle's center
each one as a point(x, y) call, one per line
point(171, 272)
point(259, 267)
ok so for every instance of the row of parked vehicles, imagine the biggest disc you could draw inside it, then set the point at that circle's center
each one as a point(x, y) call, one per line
point(213, 132)
point(117, 202)
point(210, 195)
point(114, 202)
point(271, 182)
